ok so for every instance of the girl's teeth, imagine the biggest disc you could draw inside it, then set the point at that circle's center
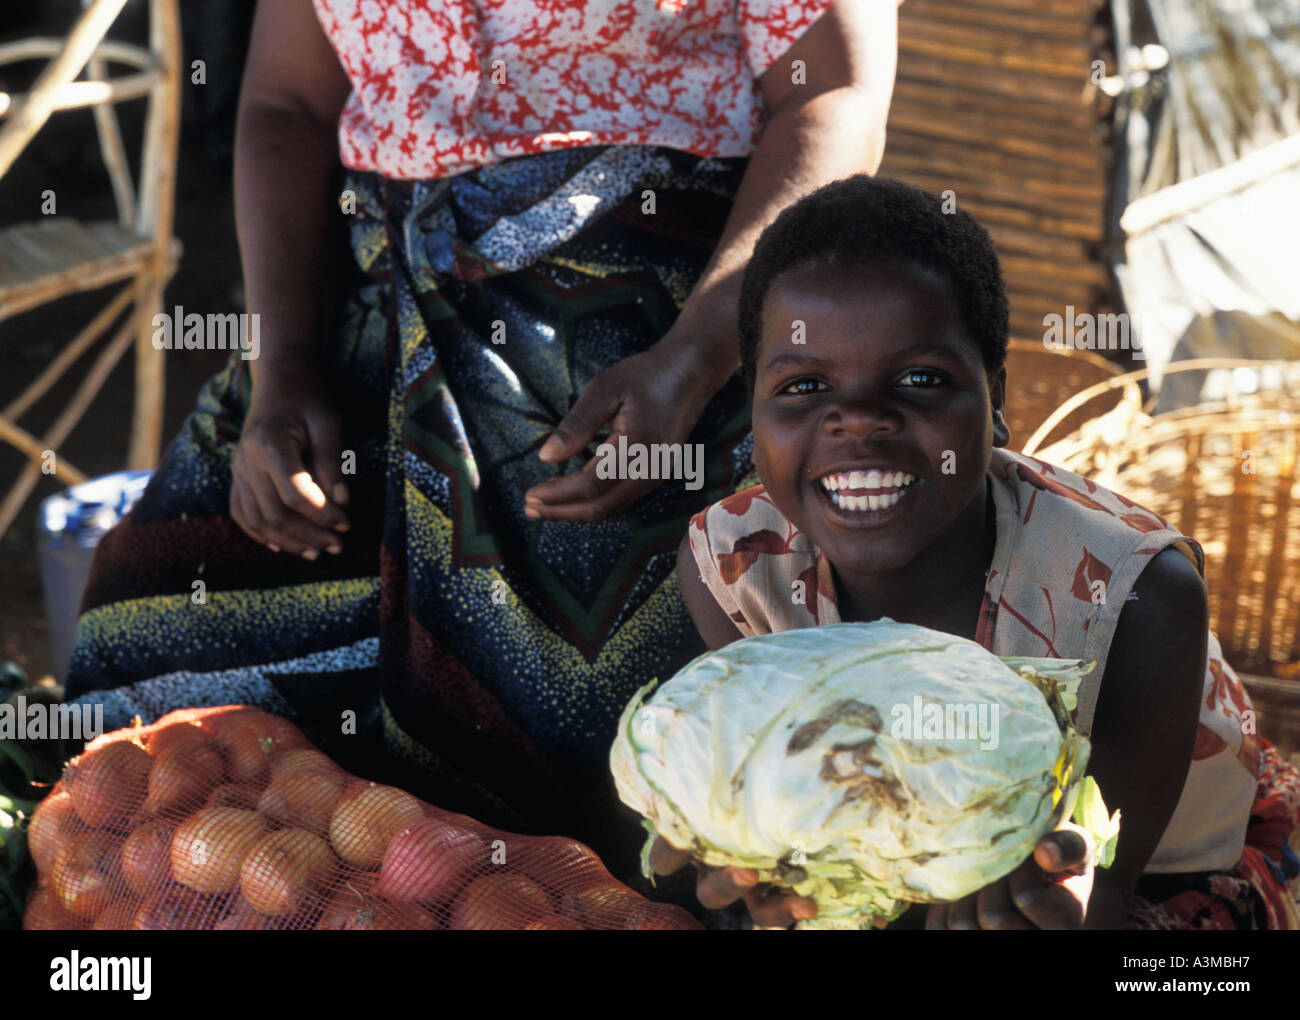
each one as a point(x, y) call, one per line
point(860, 503)
point(873, 479)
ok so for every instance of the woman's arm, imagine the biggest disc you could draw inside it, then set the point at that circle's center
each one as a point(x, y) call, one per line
point(1145, 724)
point(831, 126)
point(286, 211)
point(286, 175)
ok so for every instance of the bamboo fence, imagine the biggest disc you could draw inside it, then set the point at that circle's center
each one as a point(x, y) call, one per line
point(995, 100)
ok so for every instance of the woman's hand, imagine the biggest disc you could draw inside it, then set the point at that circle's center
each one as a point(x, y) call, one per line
point(287, 459)
point(656, 396)
point(1051, 889)
point(770, 906)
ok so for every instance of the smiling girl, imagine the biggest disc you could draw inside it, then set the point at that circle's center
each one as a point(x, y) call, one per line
point(874, 334)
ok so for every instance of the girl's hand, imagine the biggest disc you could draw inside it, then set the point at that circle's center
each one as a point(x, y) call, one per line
point(287, 461)
point(653, 397)
point(1051, 889)
point(770, 906)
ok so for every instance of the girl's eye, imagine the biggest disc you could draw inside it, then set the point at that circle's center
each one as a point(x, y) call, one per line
point(921, 377)
point(801, 387)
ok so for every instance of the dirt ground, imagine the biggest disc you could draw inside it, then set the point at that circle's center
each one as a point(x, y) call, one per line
point(65, 157)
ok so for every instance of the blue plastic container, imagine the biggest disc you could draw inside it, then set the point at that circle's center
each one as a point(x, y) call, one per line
point(71, 524)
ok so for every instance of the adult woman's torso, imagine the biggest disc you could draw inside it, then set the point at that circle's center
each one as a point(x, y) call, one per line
point(441, 86)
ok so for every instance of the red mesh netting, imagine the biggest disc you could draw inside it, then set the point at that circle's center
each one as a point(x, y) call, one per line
point(229, 818)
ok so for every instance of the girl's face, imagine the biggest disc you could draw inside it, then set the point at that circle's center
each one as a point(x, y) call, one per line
point(874, 433)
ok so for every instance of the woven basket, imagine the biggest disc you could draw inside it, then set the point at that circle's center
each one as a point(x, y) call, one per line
point(1277, 703)
point(1224, 473)
point(1040, 379)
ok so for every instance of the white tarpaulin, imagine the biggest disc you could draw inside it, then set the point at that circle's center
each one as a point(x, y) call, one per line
point(1209, 181)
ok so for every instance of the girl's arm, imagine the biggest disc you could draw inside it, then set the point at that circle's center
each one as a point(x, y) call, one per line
point(1145, 724)
point(714, 625)
point(1143, 734)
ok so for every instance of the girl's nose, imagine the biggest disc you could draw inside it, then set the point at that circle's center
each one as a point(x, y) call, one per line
point(861, 417)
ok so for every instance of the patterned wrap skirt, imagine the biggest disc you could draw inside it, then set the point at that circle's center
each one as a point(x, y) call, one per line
point(477, 656)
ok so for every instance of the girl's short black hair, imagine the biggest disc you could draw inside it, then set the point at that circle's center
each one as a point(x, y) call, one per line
point(862, 219)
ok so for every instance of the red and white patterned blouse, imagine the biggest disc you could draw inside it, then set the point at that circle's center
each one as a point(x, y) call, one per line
point(442, 86)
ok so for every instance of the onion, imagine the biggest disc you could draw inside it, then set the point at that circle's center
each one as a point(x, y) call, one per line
point(303, 797)
point(604, 905)
point(244, 918)
point(179, 735)
point(554, 922)
point(542, 858)
point(45, 913)
point(284, 869)
point(496, 902)
point(429, 861)
point(351, 906)
point(237, 795)
point(118, 915)
point(146, 856)
point(281, 733)
point(248, 753)
point(182, 777)
point(658, 917)
point(209, 848)
point(252, 746)
point(355, 908)
point(302, 758)
point(51, 828)
point(108, 785)
point(85, 872)
point(179, 909)
point(366, 819)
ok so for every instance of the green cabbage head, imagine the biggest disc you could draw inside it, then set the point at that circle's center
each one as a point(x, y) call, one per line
point(866, 765)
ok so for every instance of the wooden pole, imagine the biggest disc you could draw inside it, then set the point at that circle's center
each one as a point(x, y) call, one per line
point(156, 211)
point(114, 153)
point(1186, 196)
point(77, 94)
point(55, 369)
point(68, 418)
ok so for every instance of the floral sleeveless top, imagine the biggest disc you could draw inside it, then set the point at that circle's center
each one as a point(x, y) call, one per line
point(443, 86)
point(1057, 535)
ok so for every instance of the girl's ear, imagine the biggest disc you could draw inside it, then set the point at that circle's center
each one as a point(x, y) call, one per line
point(998, 398)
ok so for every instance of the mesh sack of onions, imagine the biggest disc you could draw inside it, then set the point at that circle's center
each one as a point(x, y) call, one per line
point(229, 818)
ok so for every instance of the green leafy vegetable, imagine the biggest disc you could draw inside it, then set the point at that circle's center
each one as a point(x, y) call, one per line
point(867, 766)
